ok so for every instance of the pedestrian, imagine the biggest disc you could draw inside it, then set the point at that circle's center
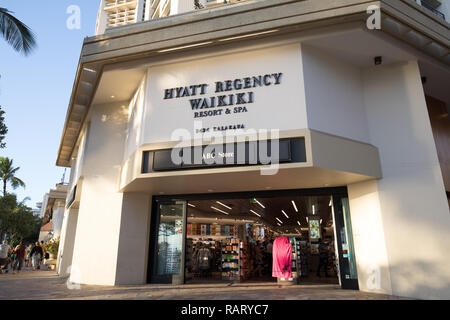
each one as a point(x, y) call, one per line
point(28, 259)
point(4, 256)
point(323, 256)
point(36, 256)
point(20, 254)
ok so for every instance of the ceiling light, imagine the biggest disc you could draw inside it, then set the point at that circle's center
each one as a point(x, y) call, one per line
point(320, 221)
point(313, 210)
point(191, 205)
point(285, 214)
point(184, 47)
point(249, 35)
point(295, 207)
point(261, 205)
point(307, 220)
point(224, 212)
point(299, 223)
point(255, 213)
point(90, 70)
point(224, 205)
point(331, 203)
point(112, 97)
point(279, 224)
point(279, 220)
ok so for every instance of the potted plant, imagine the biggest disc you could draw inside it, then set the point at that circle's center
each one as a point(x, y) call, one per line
point(52, 248)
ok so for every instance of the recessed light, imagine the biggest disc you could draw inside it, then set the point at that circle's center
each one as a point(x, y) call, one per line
point(224, 212)
point(260, 204)
point(299, 223)
point(224, 205)
point(112, 97)
point(295, 207)
point(210, 190)
point(279, 220)
point(184, 47)
point(255, 213)
point(285, 214)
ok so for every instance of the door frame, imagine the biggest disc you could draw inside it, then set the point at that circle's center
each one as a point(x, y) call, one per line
point(155, 220)
point(337, 193)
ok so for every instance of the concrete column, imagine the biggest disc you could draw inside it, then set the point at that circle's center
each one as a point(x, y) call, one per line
point(67, 241)
point(368, 237)
point(99, 218)
point(411, 195)
point(134, 239)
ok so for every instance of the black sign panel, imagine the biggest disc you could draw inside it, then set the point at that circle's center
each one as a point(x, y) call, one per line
point(224, 155)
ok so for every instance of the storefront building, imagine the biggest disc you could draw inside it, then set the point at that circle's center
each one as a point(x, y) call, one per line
point(333, 130)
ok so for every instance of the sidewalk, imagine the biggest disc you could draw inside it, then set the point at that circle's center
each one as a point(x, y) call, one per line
point(47, 285)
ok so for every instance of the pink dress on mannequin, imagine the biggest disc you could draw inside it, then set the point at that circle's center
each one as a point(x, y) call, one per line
point(282, 262)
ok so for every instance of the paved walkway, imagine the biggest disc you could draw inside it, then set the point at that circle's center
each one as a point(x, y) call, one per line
point(47, 285)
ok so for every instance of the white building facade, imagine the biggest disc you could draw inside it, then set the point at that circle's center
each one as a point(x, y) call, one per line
point(363, 111)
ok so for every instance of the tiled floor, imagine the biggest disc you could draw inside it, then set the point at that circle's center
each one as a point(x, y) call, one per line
point(47, 285)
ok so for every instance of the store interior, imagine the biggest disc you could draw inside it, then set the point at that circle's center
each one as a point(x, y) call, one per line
point(233, 239)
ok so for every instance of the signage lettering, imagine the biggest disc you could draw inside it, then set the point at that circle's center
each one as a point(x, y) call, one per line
point(222, 100)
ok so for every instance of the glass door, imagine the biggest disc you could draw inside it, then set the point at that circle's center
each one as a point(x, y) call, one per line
point(169, 242)
point(348, 275)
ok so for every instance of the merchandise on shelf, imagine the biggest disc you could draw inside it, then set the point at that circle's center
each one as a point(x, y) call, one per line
point(231, 259)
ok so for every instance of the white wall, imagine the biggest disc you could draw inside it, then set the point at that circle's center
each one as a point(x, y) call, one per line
point(58, 217)
point(275, 107)
point(99, 216)
point(136, 110)
point(67, 242)
point(412, 201)
point(334, 96)
point(368, 236)
point(134, 237)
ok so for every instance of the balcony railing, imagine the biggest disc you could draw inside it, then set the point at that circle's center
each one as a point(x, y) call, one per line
point(432, 9)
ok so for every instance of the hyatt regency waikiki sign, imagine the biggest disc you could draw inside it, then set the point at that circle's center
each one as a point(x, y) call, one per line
point(225, 101)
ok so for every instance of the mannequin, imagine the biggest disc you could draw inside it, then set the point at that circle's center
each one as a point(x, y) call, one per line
point(282, 262)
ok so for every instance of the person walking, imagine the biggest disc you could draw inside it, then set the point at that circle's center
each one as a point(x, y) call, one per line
point(323, 255)
point(20, 253)
point(4, 256)
point(36, 256)
point(28, 258)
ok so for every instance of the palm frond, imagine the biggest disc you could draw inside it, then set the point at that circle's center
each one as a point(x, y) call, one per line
point(16, 33)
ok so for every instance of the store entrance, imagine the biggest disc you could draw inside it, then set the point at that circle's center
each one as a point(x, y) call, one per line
point(234, 238)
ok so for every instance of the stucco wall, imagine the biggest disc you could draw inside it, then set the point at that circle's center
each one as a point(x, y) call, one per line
point(67, 242)
point(99, 216)
point(412, 202)
point(334, 96)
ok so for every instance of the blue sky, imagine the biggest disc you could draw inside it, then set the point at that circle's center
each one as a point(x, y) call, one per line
point(35, 90)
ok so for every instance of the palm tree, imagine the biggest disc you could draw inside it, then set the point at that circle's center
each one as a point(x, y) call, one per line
point(16, 33)
point(7, 174)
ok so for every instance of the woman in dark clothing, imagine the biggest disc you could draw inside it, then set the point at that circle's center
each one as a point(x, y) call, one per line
point(36, 256)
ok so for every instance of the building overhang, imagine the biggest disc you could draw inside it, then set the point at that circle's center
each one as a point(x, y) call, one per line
point(331, 161)
point(404, 20)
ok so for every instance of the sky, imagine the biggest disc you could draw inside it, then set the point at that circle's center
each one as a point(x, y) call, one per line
point(35, 90)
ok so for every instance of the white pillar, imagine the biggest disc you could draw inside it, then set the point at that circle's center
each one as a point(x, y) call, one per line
point(412, 200)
